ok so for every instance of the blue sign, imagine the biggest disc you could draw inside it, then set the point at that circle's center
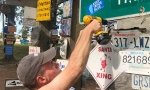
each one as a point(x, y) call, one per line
point(5, 30)
point(9, 50)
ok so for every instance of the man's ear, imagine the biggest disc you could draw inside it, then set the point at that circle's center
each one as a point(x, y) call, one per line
point(41, 80)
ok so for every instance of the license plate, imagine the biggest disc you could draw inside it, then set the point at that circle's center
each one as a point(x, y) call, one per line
point(136, 61)
point(131, 40)
point(140, 82)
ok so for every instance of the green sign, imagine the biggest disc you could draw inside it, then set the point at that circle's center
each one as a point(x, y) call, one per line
point(113, 9)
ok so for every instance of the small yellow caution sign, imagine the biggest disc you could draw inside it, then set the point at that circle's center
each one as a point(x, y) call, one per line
point(43, 10)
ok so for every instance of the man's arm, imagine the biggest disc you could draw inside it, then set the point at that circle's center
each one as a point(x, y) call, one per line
point(77, 60)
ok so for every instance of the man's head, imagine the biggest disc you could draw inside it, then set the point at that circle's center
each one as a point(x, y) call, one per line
point(37, 70)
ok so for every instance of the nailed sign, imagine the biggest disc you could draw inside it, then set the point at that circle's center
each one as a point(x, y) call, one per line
point(11, 29)
point(104, 65)
point(43, 10)
point(136, 61)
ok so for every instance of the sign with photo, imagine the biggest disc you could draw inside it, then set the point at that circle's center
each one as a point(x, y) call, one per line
point(67, 10)
point(65, 27)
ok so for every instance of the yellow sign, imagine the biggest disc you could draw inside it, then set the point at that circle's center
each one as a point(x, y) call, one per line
point(43, 10)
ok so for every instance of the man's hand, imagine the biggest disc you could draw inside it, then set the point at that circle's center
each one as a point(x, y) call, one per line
point(94, 26)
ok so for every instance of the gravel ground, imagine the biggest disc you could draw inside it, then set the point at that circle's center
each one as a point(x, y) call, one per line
point(7, 71)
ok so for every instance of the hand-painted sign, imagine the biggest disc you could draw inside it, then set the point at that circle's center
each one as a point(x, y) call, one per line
point(136, 61)
point(104, 65)
point(43, 10)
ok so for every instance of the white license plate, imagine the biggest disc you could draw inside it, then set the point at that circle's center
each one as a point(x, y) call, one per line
point(131, 40)
point(136, 61)
point(140, 82)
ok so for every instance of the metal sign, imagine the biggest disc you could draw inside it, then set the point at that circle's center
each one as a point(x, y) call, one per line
point(113, 9)
point(137, 62)
point(43, 10)
point(104, 66)
point(130, 40)
point(140, 82)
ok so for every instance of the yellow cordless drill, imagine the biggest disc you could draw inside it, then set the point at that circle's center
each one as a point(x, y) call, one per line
point(102, 37)
point(87, 19)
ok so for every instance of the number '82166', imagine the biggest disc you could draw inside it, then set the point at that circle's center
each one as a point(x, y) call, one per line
point(136, 59)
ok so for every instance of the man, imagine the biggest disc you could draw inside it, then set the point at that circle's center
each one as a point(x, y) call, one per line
point(41, 72)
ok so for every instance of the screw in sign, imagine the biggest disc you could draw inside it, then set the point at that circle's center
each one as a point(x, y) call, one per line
point(104, 65)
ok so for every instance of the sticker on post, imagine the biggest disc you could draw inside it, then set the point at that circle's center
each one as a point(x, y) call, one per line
point(13, 83)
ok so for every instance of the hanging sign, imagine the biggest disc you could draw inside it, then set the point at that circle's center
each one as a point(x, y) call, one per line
point(104, 66)
point(43, 10)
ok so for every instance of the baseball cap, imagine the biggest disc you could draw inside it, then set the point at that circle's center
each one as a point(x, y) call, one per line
point(30, 65)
